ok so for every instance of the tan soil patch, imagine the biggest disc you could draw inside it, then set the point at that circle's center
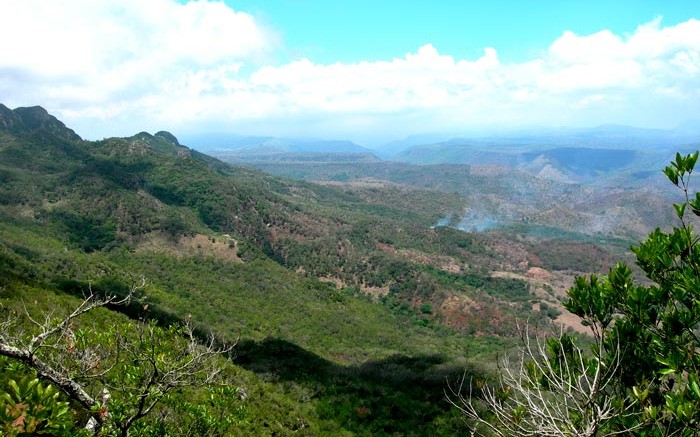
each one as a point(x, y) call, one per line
point(222, 247)
point(458, 309)
point(572, 321)
point(335, 281)
point(538, 274)
point(510, 275)
point(376, 292)
point(551, 288)
point(441, 262)
point(23, 211)
point(365, 183)
point(515, 256)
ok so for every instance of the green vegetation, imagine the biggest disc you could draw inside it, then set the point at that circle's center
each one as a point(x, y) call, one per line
point(349, 311)
point(612, 211)
point(641, 375)
point(32, 408)
point(336, 295)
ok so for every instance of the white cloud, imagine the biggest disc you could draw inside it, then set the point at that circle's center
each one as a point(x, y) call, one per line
point(161, 64)
point(108, 51)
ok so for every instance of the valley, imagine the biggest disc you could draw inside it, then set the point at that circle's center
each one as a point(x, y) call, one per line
point(536, 183)
point(354, 290)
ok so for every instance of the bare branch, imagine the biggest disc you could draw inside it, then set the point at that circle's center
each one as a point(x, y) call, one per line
point(545, 395)
point(64, 382)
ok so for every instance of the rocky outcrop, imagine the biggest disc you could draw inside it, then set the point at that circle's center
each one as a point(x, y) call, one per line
point(9, 121)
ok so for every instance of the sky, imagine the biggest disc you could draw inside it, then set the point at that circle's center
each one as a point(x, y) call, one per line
point(369, 71)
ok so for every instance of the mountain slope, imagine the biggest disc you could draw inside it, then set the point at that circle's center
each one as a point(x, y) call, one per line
point(30, 119)
point(339, 294)
point(606, 155)
point(502, 197)
point(148, 191)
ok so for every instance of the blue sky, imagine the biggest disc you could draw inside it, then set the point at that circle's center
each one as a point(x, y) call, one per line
point(370, 71)
point(356, 30)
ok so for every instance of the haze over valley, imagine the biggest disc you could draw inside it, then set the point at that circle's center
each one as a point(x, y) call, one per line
point(607, 186)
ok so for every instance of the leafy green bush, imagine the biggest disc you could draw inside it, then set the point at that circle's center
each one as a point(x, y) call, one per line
point(29, 407)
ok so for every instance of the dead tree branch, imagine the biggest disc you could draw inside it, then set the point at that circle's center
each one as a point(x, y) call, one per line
point(552, 389)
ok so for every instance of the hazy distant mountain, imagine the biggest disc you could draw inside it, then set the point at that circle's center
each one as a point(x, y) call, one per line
point(257, 145)
point(610, 154)
point(623, 167)
point(252, 158)
point(392, 148)
point(604, 136)
point(242, 149)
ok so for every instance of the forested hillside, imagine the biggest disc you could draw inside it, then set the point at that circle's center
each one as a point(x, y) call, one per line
point(618, 204)
point(350, 311)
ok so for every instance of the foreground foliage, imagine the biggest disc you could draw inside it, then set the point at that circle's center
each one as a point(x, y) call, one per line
point(116, 373)
point(641, 375)
point(30, 407)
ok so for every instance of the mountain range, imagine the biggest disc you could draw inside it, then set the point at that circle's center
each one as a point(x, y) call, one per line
point(609, 154)
point(351, 308)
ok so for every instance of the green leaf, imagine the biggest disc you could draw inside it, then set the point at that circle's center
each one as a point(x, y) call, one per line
point(680, 209)
point(15, 389)
point(696, 389)
point(640, 394)
point(680, 163)
point(691, 160)
point(671, 174)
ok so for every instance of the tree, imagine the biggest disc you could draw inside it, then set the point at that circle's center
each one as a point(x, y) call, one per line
point(641, 375)
point(118, 373)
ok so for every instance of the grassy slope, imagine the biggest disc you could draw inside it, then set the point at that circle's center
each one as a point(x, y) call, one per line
point(319, 354)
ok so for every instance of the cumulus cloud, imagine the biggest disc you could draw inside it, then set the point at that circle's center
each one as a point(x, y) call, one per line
point(202, 65)
point(97, 56)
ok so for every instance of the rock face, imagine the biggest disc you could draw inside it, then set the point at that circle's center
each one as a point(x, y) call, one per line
point(9, 121)
point(33, 118)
